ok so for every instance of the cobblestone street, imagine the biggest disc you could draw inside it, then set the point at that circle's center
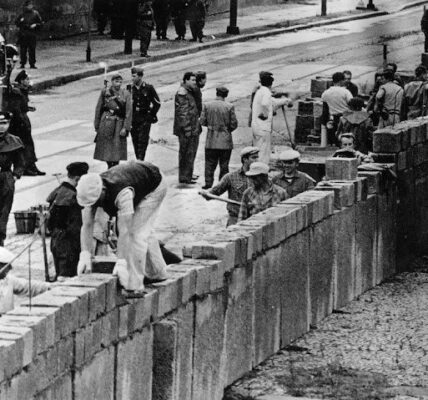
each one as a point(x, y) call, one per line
point(375, 348)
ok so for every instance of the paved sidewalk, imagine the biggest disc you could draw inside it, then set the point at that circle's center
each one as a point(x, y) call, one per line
point(61, 61)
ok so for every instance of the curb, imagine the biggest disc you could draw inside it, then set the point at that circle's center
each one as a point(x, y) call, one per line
point(64, 79)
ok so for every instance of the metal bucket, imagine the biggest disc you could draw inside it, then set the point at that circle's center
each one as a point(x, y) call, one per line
point(25, 221)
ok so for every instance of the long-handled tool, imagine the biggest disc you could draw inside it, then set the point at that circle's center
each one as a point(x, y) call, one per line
point(214, 197)
point(43, 216)
point(293, 145)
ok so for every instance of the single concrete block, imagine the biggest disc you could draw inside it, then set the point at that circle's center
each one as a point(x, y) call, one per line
point(266, 305)
point(366, 245)
point(146, 308)
point(215, 251)
point(344, 257)
point(110, 328)
point(373, 180)
point(321, 261)
point(294, 283)
point(256, 230)
point(95, 380)
point(187, 280)
point(268, 230)
point(301, 214)
point(65, 352)
point(27, 335)
point(387, 140)
point(60, 388)
point(341, 168)
point(209, 356)
point(339, 193)
point(239, 324)
point(134, 366)
point(308, 207)
point(11, 354)
point(169, 296)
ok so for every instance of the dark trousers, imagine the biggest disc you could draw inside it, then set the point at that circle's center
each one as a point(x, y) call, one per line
point(20, 126)
point(140, 134)
point(27, 43)
point(186, 157)
point(161, 26)
point(7, 190)
point(196, 28)
point(102, 19)
point(65, 251)
point(426, 42)
point(214, 157)
point(180, 26)
point(145, 38)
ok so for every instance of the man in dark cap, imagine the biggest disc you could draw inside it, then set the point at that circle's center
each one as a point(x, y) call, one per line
point(145, 105)
point(220, 119)
point(11, 156)
point(65, 221)
point(20, 124)
point(28, 22)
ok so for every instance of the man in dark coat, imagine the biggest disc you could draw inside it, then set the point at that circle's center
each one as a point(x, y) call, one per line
point(117, 19)
point(101, 13)
point(145, 25)
point(178, 13)
point(20, 124)
point(161, 15)
point(186, 127)
point(11, 156)
point(196, 15)
point(145, 105)
point(28, 22)
point(65, 221)
point(129, 9)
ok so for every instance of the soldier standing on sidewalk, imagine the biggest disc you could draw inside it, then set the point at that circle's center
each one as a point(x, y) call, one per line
point(178, 14)
point(145, 105)
point(11, 155)
point(161, 15)
point(20, 124)
point(196, 14)
point(27, 23)
point(145, 25)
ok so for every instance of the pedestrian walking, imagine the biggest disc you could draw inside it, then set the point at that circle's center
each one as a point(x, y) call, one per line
point(262, 194)
point(178, 14)
point(415, 93)
point(264, 104)
point(161, 14)
point(145, 25)
point(196, 15)
point(113, 118)
point(65, 222)
point(235, 183)
point(424, 29)
point(11, 168)
point(20, 125)
point(220, 119)
point(335, 103)
point(11, 285)
point(290, 178)
point(102, 13)
point(28, 22)
point(145, 105)
point(186, 127)
point(388, 100)
point(133, 192)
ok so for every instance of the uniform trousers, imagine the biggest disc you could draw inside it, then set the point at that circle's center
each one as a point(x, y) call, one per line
point(161, 26)
point(214, 157)
point(140, 134)
point(186, 157)
point(196, 28)
point(27, 43)
point(7, 190)
point(145, 38)
point(180, 26)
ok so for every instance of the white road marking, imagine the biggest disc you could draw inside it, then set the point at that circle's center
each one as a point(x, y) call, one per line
point(65, 123)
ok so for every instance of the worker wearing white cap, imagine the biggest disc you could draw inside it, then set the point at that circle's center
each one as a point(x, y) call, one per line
point(133, 192)
point(262, 194)
point(11, 285)
point(235, 183)
point(291, 179)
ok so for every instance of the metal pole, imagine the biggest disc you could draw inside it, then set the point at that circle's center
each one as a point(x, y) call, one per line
point(88, 47)
point(323, 8)
point(233, 29)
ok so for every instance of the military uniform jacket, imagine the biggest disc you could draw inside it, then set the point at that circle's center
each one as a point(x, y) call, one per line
point(25, 20)
point(145, 102)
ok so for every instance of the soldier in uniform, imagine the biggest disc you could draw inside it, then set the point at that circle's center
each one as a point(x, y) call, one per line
point(145, 25)
point(145, 105)
point(196, 14)
point(20, 124)
point(27, 23)
point(178, 14)
point(161, 15)
point(11, 155)
point(65, 221)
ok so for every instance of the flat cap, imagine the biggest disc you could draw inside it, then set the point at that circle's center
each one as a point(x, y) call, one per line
point(289, 155)
point(222, 91)
point(247, 151)
point(258, 168)
point(77, 168)
point(89, 189)
point(265, 73)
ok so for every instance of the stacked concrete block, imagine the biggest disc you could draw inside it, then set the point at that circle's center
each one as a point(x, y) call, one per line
point(307, 119)
point(341, 169)
point(319, 85)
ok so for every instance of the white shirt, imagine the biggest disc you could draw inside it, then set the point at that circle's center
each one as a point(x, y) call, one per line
point(337, 98)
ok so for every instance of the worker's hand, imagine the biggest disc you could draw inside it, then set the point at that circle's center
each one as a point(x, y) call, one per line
point(204, 194)
point(85, 263)
point(121, 271)
point(262, 117)
point(123, 132)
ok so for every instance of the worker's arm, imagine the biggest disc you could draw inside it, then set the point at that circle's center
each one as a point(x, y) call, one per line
point(125, 206)
point(86, 242)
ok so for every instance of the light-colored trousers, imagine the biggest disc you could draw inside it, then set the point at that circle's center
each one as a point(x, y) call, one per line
point(145, 257)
